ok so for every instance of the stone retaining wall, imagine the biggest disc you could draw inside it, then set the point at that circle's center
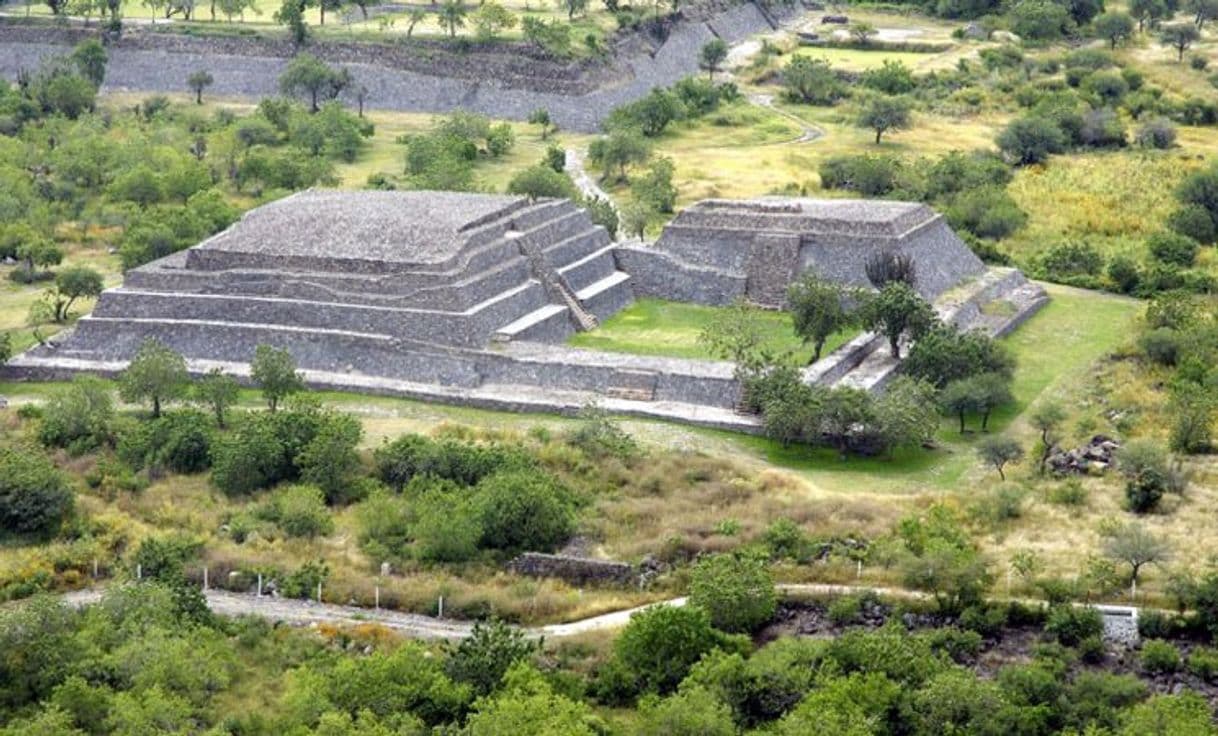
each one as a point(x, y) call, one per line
point(502, 86)
point(577, 570)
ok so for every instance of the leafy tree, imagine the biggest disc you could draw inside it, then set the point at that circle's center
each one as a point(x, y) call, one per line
point(291, 14)
point(484, 657)
point(957, 576)
point(1031, 140)
point(737, 592)
point(1173, 248)
point(906, 413)
point(712, 56)
point(999, 451)
point(413, 18)
point(528, 704)
point(693, 711)
point(541, 118)
point(72, 283)
point(35, 497)
point(1039, 19)
point(217, 391)
point(945, 354)
point(452, 16)
point(887, 267)
point(38, 252)
point(574, 7)
point(634, 217)
point(274, 371)
point(842, 411)
point(140, 185)
point(811, 81)
point(1148, 11)
point(329, 460)
point(90, 58)
point(1136, 546)
point(492, 19)
point(619, 150)
point(883, 113)
point(818, 310)
point(1046, 419)
point(737, 337)
point(655, 188)
point(891, 78)
point(447, 525)
point(960, 398)
point(199, 81)
point(862, 31)
point(540, 181)
point(1180, 36)
point(1113, 26)
point(650, 114)
point(896, 310)
point(1145, 466)
point(309, 76)
point(157, 374)
point(992, 391)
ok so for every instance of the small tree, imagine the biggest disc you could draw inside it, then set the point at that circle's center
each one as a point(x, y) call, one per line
point(993, 391)
point(862, 32)
point(36, 253)
point(452, 16)
point(541, 118)
point(883, 113)
point(1147, 11)
point(619, 150)
point(413, 18)
point(1115, 27)
point(35, 497)
point(574, 7)
point(896, 310)
point(217, 391)
point(959, 398)
point(658, 647)
point(307, 75)
point(291, 15)
point(818, 310)
point(999, 451)
point(90, 58)
point(482, 658)
point(712, 56)
point(492, 19)
point(274, 371)
point(1031, 140)
point(1180, 36)
point(812, 81)
point(72, 283)
point(633, 219)
point(1136, 546)
point(199, 81)
point(737, 592)
point(156, 374)
point(1046, 419)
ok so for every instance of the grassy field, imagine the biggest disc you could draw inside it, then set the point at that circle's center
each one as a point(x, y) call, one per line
point(671, 329)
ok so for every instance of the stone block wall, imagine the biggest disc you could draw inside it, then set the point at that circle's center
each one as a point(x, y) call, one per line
point(773, 265)
point(576, 570)
point(655, 274)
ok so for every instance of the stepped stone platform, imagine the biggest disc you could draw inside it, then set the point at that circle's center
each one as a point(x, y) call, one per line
point(468, 298)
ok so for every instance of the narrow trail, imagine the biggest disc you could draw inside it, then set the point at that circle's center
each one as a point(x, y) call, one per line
point(808, 131)
point(308, 613)
point(584, 182)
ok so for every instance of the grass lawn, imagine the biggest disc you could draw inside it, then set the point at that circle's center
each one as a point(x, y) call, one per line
point(671, 329)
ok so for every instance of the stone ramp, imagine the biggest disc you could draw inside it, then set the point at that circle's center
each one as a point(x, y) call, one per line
point(997, 302)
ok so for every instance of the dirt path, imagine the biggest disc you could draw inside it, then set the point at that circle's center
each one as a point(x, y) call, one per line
point(584, 182)
point(808, 131)
point(308, 613)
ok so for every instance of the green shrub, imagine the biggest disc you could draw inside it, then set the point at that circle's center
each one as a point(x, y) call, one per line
point(960, 646)
point(79, 417)
point(447, 527)
point(1070, 625)
point(1161, 345)
point(300, 511)
point(737, 592)
point(35, 497)
point(1173, 248)
point(179, 441)
point(844, 610)
point(410, 455)
point(1070, 493)
point(251, 457)
point(657, 648)
point(1203, 662)
point(482, 658)
point(1159, 657)
point(524, 511)
point(1193, 221)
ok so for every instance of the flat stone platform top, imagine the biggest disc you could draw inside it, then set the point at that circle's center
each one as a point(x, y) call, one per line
point(810, 216)
point(420, 228)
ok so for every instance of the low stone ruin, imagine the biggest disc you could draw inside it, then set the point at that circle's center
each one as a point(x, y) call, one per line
point(835, 19)
point(1094, 457)
point(583, 570)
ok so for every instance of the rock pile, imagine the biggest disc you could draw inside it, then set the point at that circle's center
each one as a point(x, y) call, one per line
point(1094, 457)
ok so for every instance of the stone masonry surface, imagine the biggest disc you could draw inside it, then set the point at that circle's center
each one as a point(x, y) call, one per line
point(466, 298)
